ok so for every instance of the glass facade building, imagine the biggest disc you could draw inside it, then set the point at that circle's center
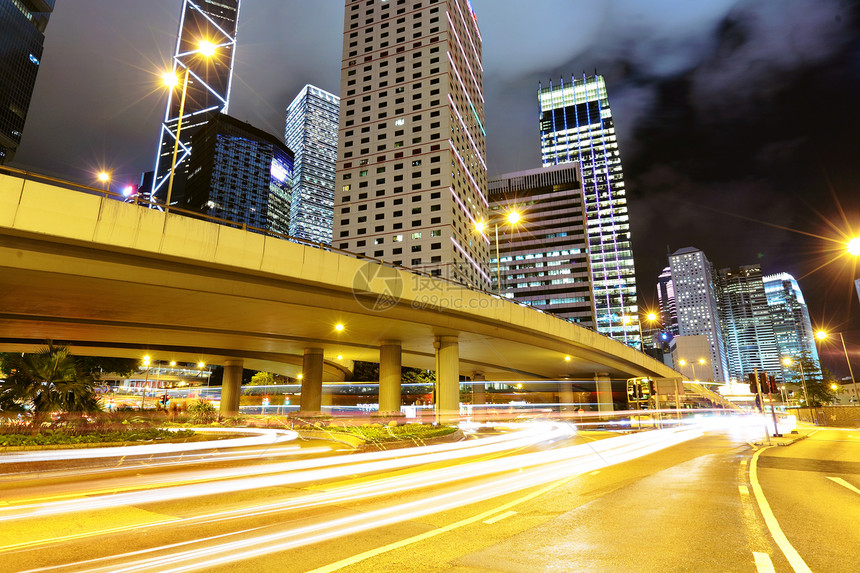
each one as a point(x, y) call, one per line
point(790, 315)
point(208, 89)
point(544, 257)
point(666, 302)
point(22, 36)
point(411, 180)
point(697, 307)
point(311, 134)
point(241, 174)
point(576, 126)
point(748, 332)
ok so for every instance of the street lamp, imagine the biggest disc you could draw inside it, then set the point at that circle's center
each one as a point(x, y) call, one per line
point(821, 335)
point(788, 362)
point(853, 246)
point(513, 217)
point(104, 177)
point(171, 80)
point(145, 382)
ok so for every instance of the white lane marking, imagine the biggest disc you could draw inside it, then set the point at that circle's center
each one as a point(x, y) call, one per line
point(744, 490)
point(776, 532)
point(763, 563)
point(499, 517)
point(844, 483)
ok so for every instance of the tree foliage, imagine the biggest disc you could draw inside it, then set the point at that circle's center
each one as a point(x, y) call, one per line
point(818, 380)
point(49, 380)
point(369, 372)
point(262, 379)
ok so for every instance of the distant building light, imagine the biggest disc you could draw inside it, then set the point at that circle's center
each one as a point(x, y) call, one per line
point(34, 59)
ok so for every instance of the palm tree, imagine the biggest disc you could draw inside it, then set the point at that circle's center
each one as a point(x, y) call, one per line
point(50, 380)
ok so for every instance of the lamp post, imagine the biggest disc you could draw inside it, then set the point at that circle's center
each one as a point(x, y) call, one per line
point(512, 218)
point(788, 362)
point(104, 177)
point(821, 335)
point(206, 49)
point(145, 382)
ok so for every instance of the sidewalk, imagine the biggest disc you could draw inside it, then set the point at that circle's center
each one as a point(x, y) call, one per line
point(801, 433)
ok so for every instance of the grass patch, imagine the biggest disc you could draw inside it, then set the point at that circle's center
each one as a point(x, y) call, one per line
point(390, 433)
point(60, 437)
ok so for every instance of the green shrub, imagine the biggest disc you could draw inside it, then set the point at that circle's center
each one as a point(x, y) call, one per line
point(202, 412)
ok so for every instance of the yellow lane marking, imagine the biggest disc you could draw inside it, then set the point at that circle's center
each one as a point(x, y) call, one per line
point(397, 545)
point(844, 483)
point(36, 543)
point(594, 473)
point(776, 532)
point(499, 517)
point(744, 490)
point(763, 563)
point(743, 462)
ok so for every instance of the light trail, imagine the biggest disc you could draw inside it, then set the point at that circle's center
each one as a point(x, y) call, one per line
point(500, 477)
point(260, 437)
point(290, 473)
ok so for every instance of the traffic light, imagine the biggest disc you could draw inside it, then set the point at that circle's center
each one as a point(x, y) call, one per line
point(753, 383)
point(773, 387)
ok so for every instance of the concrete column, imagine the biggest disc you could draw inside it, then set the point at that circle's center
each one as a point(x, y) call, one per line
point(312, 369)
point(389, 377)
point(231, 387)
point(479, 389)
point(604, 392)
point(447, 377)
point(565, 396)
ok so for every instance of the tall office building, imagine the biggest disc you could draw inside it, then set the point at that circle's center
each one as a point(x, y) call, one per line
point(203, 23)
point(857, 286)
point(411, 179)
point(748, 332)
point(666, 302)
point(543, 258)
point(790, 315)
point(697, 306)
point(311, 134)
point(241, 174)
point(576, 125)
point(22, 36)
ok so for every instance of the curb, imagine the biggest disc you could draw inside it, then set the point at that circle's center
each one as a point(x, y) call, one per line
point(786, 443)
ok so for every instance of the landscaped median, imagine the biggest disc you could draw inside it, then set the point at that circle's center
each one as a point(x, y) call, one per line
point(381, 436)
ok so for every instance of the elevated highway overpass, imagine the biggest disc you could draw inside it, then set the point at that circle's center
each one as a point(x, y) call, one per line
point(114, 278)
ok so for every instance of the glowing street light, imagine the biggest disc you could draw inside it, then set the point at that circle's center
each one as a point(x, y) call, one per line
point(512, 218)
point(821, 335)
point(853, 246)
point(104, 177)
point(171, 80)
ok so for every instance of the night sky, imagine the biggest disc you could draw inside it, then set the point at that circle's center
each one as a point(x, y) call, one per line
point(738, 120)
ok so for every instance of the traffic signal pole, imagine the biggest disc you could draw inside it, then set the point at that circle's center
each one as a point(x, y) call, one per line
point(761, 402)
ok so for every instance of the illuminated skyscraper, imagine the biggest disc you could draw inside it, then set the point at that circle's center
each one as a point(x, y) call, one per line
point(697, 306)
point(666, 300)
point(241, 174)
point(208, 92)
point(411, 179)
point(544, 257)
point(22, 35)
point(748, 332)
point(576, 125)
point(311, 134)
point(790, 315)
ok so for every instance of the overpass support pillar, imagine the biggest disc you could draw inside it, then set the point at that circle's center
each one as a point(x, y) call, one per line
point(604, 392)
point(389, 378)
point(447, 377)
point(231, 387)
point(479, 389)
point(312, 369)
point(565, 396)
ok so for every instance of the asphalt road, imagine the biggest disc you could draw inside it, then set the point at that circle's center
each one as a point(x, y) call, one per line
point(536, 500)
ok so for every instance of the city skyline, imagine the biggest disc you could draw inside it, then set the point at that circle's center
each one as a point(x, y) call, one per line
point(662, 100)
